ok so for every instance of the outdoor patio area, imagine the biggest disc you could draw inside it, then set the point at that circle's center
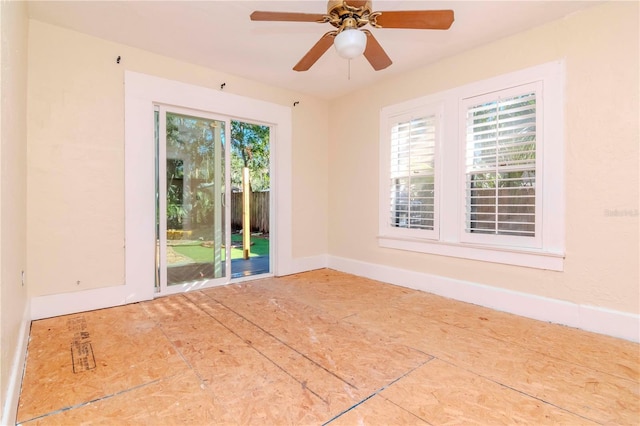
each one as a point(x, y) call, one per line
point(197, 271)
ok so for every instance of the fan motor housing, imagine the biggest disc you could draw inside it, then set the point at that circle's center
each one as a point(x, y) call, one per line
point(338, 8)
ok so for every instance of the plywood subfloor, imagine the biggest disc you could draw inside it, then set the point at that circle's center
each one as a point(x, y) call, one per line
point(322, 347)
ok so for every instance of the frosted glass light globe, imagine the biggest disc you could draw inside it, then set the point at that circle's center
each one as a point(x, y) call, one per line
point(350, 43)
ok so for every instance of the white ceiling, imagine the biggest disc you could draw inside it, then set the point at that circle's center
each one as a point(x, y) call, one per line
point(220, 35)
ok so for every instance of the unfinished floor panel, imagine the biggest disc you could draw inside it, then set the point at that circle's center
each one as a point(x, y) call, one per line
point(340, 363)
point(176, 400)
point(84, 357)
point(589, 393)
point(441, 393)
point(251, 387)
point(333, 390)
point(335, 293)
point(565, 343)
point(322, 347)
point(363, 359)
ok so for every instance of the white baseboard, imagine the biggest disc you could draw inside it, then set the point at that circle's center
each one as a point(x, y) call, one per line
point(81, 301)
point(590, 318)
point(99, 298)
point(10, 408)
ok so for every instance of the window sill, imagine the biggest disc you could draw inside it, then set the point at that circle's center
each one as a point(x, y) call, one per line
point(530, 258)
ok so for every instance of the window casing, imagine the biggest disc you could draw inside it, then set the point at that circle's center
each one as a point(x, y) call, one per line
point(412, 205)
point(497, 171)
point(501, 157)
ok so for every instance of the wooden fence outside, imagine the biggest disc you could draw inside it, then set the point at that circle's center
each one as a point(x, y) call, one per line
point(259, 205)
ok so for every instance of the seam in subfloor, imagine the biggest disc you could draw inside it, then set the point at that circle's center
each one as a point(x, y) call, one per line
point(376, 393)
point(102, 398)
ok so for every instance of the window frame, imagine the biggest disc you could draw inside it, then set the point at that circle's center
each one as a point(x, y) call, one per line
point(548, 251)
point(395, 117)
point(504, 240)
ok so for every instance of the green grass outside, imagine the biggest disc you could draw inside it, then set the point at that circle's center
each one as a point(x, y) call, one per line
point(200, 254)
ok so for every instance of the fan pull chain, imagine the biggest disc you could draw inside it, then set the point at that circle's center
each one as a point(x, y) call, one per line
point(349, 69)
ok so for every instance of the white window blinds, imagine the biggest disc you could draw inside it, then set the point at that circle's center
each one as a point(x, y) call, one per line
point(500, 164)
point(412, 173)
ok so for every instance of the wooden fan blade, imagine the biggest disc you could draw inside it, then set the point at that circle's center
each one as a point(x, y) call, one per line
point(287, 16)
point(375, 54)
point(416, 19)
point(315, 52)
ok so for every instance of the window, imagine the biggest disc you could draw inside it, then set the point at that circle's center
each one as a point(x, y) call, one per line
point(500, 168)
point(477, 171)
point(412, 202)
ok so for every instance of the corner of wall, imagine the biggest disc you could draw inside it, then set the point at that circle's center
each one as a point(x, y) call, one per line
point(10, 403)
point(14, 303)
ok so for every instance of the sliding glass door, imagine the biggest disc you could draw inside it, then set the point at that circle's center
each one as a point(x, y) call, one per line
point(213, 198)
point(191, 201)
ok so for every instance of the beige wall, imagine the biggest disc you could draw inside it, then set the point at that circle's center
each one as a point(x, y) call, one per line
point(76, 156)
point(75, 167)
point(13, 141)
point(600, 46)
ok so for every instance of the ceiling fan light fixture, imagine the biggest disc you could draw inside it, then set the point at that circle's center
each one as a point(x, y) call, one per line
point(350, 43)
point(348, 16)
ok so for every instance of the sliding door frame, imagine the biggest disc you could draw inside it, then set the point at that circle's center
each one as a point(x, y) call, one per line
point(142, 93)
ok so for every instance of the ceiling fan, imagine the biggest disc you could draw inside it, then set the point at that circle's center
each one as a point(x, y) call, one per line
point(348, 16)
